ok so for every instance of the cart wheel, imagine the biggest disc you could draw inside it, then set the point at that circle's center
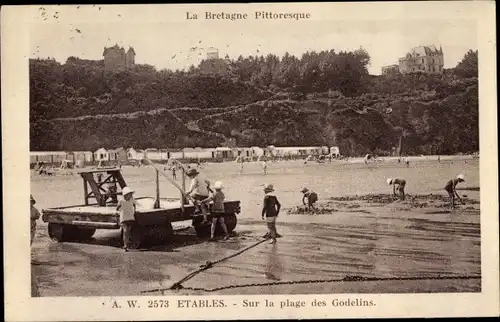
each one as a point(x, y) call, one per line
point(84, 233)
point(158, 235)
point(57, 232)
point(202, 230)
point(137, 236)
point(230, 221)
point(165, 233)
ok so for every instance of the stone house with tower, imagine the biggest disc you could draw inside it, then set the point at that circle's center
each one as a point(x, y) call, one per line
point(115, 58)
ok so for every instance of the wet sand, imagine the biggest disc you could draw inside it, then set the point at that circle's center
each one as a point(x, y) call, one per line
point(368, 235)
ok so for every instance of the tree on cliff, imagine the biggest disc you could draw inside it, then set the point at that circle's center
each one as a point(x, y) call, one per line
point(468, 66)
point(322, 97)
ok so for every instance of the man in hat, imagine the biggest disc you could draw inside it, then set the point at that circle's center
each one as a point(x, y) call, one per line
point(450, 187)
point(270, 210)
point(311, 197)
point(199, 190)
point(400, 183)
point(35, 214)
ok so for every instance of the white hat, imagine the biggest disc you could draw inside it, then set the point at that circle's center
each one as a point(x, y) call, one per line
point(218, 185)
point(461, 177)
point(126, 191)
point(389, 181)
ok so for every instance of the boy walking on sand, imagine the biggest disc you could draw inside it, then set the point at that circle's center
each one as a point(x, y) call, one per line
point(127, 208)
point(450, 187)
point(311, 197)
point(400, 183)
point(217, 210)
point(270, 210)
point(35, 214)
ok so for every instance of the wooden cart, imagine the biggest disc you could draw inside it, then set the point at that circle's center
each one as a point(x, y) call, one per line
point(154, 215)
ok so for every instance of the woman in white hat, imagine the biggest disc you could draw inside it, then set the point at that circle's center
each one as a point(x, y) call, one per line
point(270, 210)
point(199, 191)
point(35, 214)
point(450, 188)
point(127, 208)
point(400, 183)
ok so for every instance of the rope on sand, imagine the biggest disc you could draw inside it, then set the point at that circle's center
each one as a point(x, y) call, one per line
point(342, 280)
point(207, 265)
point(349, 278)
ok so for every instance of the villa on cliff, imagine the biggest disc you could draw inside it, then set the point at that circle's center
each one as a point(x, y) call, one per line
point(424, 59)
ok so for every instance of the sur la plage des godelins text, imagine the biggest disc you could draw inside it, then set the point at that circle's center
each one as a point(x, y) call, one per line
point(257, 15)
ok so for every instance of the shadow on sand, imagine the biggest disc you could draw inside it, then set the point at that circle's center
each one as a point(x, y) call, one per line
point(181, 238)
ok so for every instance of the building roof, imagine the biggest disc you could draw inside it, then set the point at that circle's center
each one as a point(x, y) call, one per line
point(114, 48)
point(131, 49)
point(425, 51)
point(47, 153)
point(117, 150)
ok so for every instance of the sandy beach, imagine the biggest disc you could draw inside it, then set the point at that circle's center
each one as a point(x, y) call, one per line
point(360, 232)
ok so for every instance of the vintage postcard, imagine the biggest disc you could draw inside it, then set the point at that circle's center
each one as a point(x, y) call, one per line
point(250, 161)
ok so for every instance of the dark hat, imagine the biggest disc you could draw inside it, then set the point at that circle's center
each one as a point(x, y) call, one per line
point(32, 199)
point(304, 190)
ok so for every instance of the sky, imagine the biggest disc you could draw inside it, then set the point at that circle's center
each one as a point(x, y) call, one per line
point(170, 41)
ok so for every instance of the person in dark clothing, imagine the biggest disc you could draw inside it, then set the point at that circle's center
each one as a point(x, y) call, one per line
point(450, 187)
point(270, 210)
point(311, 197)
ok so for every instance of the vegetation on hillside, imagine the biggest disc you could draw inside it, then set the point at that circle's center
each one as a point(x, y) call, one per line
point(325, 98)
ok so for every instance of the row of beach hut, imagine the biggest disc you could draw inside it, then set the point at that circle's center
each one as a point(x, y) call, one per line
point(206, 154)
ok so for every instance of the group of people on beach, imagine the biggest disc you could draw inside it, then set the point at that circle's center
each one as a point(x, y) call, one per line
point(201, 193)
point(450, 187)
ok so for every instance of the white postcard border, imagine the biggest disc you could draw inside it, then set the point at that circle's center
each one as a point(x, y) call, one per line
point(15, 100)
